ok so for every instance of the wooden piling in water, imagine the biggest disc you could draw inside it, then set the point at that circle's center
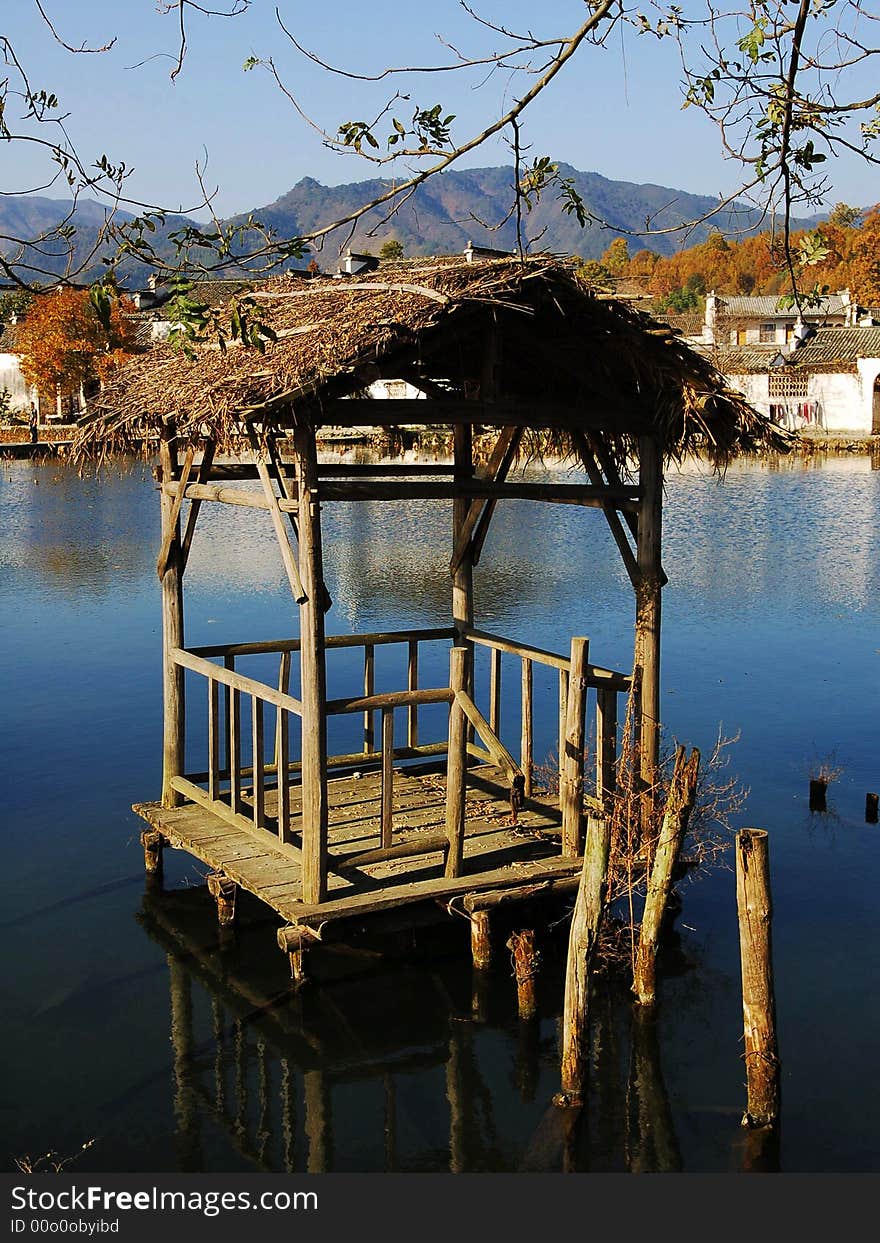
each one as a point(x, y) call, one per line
point(754, 908)
point(481, 945)
point(223, 890)
point(526, 961)
point(679, 802)
point(871, 807)
point(153, 844)
point(585, 923)
point(571, 764)
point(818, 793)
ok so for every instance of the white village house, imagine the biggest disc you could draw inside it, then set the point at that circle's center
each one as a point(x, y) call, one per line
point(811, 371)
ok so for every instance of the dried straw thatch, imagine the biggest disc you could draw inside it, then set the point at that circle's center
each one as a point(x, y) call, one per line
point(571, 359)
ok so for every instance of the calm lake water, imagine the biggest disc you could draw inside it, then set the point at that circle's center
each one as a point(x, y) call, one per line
point(770, 631)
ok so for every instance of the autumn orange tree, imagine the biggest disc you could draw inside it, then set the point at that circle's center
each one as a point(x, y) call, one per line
point(73, 338)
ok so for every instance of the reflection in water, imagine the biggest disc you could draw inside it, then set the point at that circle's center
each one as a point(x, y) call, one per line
point(653, 1145)
point(310, 1081)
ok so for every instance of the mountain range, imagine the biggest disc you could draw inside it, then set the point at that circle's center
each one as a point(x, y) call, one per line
point(449, 210)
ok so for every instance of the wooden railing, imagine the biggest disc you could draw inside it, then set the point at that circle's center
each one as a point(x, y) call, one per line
point(607, 685)
point(227, 785)
point(236, 790)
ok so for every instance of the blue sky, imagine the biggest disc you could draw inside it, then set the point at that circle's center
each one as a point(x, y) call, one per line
point(614, 110)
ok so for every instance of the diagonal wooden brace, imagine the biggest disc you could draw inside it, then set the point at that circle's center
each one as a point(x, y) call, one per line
point(496, 748)
point(171, 532)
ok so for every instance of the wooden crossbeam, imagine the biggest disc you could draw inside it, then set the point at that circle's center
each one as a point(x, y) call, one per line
point(365, 412)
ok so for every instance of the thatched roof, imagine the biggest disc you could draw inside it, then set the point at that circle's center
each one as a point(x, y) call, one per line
point(567, 357)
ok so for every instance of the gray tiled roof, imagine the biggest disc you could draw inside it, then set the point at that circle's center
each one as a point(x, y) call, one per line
point(766, 306)
point(830, 347)
point(839, 345)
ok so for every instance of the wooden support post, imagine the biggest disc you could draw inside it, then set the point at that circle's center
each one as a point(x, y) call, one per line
point(586, 920)
point(153, 844)
point(294, 940)
point(412, 682)
point(526, 762)
point(563, 719)
point(223, 890)
point(174, 712)
point(495, 691)
point(648, 614)
point(526, 961)
point(481, 945)
point(571, 776)
point(818, 794)
point(387, 776)
point(462, 571)
point(871, 808)
point(313, 676)
point(282, 751)
point(606, 747)
point(258, 753)
point(369, 689)
point(456, 764)
point(213, 738)
point(754, 907)
point(679, 802)
point(234, 736)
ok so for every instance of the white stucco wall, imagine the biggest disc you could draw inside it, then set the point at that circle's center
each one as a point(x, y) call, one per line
point(13, 381)
point(840, 402)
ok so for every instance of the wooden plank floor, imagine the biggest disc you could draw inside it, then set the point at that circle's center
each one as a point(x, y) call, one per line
point(496, 854)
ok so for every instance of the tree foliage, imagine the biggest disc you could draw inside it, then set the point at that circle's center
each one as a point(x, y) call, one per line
point(840, 254)
point(73, 338)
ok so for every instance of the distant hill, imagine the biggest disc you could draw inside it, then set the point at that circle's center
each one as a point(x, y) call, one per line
point(447, 212)
point(456, 207)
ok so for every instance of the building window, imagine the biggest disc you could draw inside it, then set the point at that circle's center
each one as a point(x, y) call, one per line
point(767, 334)
point(787, 384)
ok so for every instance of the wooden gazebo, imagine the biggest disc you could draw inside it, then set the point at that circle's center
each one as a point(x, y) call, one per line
point(519, 351)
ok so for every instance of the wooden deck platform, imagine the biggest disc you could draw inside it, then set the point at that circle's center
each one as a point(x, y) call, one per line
point(497, 854)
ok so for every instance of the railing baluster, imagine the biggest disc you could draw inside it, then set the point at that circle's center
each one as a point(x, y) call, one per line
point(235, 751)
point(606, 745)
point(525, 761)
point(563, 715)
point(284, 688)
point(259, 761)
point(494, 689)
point(412, 683)
point(228, 663)
point(282, 751)
point(387, 775)
point(213, 738)
point(369, 687)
